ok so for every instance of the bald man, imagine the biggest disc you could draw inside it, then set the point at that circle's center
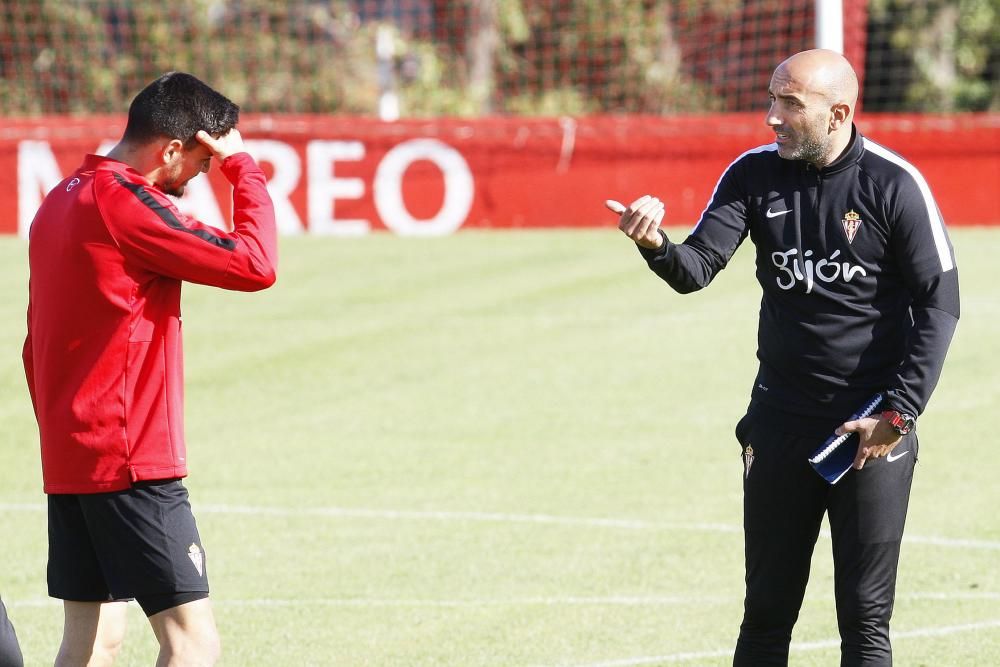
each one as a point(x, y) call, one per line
point(859, 299)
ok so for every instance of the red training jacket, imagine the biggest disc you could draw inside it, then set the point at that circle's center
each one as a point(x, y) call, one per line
point(108, 251)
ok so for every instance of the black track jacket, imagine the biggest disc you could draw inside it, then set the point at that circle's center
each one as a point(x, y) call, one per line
point(860, 288)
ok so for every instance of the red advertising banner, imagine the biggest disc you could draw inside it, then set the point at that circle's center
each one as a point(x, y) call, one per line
point(350, 176)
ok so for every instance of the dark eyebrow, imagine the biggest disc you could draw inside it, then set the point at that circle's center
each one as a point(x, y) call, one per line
point(786, 96)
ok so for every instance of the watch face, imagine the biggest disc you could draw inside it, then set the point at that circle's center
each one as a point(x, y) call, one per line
point(908, 422)
point(903, 424)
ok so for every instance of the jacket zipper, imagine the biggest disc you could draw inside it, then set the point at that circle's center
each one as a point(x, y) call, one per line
point(819, 206)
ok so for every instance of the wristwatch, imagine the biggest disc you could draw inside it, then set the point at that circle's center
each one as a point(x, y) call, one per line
point(900, 422)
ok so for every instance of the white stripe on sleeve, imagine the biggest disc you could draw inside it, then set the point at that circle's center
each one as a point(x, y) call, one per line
point(937, 225)
point(759, 149)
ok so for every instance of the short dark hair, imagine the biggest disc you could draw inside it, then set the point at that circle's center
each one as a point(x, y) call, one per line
point(176, 106)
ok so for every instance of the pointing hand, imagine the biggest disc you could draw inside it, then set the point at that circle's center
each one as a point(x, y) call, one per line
point(641, 220)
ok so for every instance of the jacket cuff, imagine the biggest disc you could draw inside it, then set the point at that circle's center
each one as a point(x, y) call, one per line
point(892, 401)
point(238, 163)
point(651, 255)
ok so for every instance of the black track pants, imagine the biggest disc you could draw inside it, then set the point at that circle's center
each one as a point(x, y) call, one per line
point(784, 501)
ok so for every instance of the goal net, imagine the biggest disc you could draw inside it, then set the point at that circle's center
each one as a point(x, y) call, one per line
point(427, 58)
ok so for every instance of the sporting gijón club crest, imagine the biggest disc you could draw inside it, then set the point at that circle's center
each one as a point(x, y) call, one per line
point(852, 223)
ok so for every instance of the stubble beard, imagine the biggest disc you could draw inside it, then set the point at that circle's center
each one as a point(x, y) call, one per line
point(174, 189)
point(813, 146)
point(812, 150)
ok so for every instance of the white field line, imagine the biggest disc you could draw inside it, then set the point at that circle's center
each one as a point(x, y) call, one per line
point(476, 517)
point(498, 517)
point(555, 601)
point(561, 601)
point(551, 601)
point(958, 595)
point(800, 647)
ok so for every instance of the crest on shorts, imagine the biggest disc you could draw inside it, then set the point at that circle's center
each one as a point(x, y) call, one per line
point(851, 222)
point(747, 461)
point(198, 558)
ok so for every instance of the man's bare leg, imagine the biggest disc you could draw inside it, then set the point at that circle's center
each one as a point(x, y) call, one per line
point(187, 635)
point(92, 633)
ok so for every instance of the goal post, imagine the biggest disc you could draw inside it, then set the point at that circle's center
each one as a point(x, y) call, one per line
point(830, 25)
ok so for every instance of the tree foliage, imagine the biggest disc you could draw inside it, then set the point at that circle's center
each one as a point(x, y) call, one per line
point(452, 57)
point(945, 54)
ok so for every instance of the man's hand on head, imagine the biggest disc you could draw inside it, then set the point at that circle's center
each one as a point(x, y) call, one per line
point(228, 144)
point(640, 221)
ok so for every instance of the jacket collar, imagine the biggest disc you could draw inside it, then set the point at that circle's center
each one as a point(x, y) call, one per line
point(94, 162)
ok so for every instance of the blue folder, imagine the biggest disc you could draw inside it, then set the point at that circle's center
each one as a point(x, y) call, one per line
point(834, 457)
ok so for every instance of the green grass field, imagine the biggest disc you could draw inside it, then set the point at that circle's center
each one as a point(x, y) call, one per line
point(506, 449)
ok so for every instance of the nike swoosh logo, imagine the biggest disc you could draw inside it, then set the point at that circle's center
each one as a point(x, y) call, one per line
point(775, 214)
point(892, 457)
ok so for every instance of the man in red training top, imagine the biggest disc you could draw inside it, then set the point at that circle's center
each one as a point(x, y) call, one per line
point(108, 252)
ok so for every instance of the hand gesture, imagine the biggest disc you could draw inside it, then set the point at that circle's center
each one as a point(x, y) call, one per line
point(641, 220)
point(222, 147)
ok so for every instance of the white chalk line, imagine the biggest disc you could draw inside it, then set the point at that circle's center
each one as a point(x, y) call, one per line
point(477, 517)
point(797, 647)
point(499, 517)
point(538, 601)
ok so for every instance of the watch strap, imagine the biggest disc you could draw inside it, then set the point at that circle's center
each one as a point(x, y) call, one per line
point(901, 422)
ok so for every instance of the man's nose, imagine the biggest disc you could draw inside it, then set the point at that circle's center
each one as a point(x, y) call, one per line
point(771, 118)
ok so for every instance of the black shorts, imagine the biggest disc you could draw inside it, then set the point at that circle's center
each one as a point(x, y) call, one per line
point(139, 543)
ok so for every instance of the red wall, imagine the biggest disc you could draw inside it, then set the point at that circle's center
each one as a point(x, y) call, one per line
point(338, 175)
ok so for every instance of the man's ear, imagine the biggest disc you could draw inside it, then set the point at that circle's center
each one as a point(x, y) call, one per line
point(840, 113)
point(171, 151)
